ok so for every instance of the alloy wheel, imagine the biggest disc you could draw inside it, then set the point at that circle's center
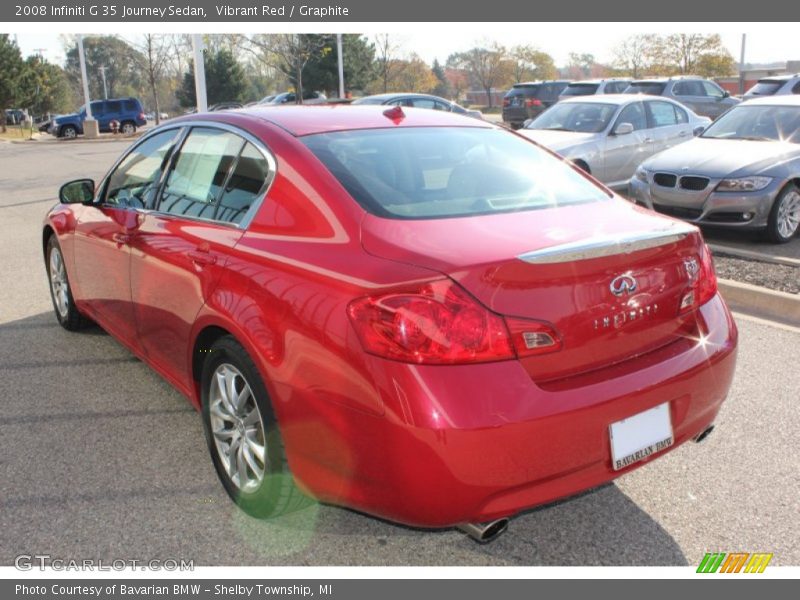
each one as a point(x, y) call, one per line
point(789, 214)
point(237, 428)
point(58, 282)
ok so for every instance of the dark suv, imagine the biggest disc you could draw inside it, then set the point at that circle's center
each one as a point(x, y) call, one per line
point(526, 100)
point(128, 112)
point(703, 96)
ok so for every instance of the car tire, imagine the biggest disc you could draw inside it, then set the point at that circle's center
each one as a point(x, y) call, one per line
point(128, 127)
point(67, 314)
point(582, 166)
point(252, 425)
point(68, 132)
point(784, 217)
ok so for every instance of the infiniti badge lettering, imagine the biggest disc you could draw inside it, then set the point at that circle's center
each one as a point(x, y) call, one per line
point(623, 284)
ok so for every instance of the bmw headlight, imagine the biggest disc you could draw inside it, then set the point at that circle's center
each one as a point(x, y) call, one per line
point(641, 174)
point(744, 184)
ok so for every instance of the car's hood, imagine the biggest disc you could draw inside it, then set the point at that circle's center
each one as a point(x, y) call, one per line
point(720, 158)
point(558, 141)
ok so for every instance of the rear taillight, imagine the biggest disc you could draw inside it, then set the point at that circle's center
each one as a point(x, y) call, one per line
point(533, 102)
point(141, 116)
point(703, 280)
point(440, 323)
point(506, 102)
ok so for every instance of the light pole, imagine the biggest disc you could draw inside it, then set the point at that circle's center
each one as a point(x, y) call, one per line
point(105, 88)
point(199, 73)
point(340, 59)
point(89, 125)
point(741, 65)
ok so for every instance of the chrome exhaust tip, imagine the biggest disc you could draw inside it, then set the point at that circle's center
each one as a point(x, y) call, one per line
point(706, 432)
point(483, 533)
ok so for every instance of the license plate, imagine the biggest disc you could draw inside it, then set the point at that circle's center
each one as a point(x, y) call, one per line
point(642, 435)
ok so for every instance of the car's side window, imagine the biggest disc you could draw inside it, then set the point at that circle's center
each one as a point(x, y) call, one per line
point(662, 114)
point(796, 88)
point(633, 114)
point(712, 90)
point(680, 89)
point(113, 106)
point(199, 172)
point(423, 103)
point(681, 115)
point(244, 186)
point(133, 183)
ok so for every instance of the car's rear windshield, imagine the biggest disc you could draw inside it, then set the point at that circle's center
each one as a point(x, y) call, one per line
point(765, 87)
point(586, 117)
point(760, 123)
point(580, 89)
point(436, 172)
point(653, 88)
point(523, 90)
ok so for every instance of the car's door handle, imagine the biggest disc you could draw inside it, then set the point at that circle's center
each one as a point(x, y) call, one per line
point(120, 238)
point(683, 134)
point(202, 257)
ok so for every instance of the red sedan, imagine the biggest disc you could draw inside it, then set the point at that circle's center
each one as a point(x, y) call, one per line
point(424, 316)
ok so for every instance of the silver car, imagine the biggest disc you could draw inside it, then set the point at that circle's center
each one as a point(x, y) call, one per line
point(703, 96)
point(742, 172)
point(590, 87)
point(609, 136)
point(777, 85)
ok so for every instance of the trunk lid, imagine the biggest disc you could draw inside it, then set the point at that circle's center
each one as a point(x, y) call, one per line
point(557, 265)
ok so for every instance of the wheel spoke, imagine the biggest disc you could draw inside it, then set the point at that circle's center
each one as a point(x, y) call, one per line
point(257, 449)
point(257, 469)
point(225, 435)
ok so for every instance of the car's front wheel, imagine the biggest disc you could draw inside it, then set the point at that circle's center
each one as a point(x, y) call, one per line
point(784, 217)
point(69, 132)
point(60, 292)
point(128, 128)
point(242, 434)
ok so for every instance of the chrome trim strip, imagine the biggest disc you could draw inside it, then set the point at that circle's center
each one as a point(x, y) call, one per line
point(607, 245)
point(272, 165)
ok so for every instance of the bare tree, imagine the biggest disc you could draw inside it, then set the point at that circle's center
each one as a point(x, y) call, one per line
point(389, 62)
point(157, 50)
point(488, 66)
point(635, 54)
point(290, 53)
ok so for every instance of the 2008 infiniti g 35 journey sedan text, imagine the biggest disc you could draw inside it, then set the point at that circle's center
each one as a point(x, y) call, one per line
point(425, 317)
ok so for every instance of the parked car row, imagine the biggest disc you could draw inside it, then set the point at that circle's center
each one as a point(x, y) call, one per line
point(127, 112)
point(525, 101)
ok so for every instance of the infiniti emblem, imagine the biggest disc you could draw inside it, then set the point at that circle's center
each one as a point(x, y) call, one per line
point(623, 284)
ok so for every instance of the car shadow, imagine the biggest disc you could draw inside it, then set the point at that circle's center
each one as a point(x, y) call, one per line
point(101, 457)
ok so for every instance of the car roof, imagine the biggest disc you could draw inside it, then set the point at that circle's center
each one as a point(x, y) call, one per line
point(785, 77)
point(784, 100)
point(389, 95)
point(541, 81)
point(618, 99)
point(300, 120)
point(593, 81)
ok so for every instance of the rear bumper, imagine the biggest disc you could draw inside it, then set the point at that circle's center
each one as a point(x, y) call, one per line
point(466, 444)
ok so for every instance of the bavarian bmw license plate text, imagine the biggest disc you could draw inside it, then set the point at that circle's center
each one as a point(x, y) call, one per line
point(640, 436)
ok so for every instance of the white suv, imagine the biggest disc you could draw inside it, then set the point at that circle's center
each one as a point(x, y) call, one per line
point(776, 85)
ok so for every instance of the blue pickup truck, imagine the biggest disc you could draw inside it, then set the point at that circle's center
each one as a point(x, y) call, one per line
point(128, 112)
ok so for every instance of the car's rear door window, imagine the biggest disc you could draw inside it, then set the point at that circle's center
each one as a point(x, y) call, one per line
point(199, 172)
point(133, 183)
point(435, 172)
point(662, 114)
point(245, 186)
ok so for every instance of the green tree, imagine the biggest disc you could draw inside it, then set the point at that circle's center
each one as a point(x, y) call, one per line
point(11, 69)
point(322, 70)
point(43, 87)
point(225, 80)
point(442, 88)
point(290, 53)
point(124, 66)
point(530, 63)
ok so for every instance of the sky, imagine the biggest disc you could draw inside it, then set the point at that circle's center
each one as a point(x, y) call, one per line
point(765, 42)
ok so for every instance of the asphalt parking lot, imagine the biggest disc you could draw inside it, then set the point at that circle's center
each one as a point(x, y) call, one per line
point(103, 459)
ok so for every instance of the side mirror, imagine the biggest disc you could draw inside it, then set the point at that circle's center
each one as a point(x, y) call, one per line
point(699, 130)
point(623, 129)
point(726, 94)
point(80, 191)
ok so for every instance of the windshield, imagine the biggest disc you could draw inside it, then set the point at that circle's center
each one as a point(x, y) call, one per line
point(652, 88)
point(580, 89)
point(765, 88)
point(749, 122)
point(433, 172)
point(586, 117)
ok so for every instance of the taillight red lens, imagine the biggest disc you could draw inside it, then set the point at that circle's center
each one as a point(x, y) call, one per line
point(440, 323)
point(704, 286)
point(506, 102)
point(533, 102)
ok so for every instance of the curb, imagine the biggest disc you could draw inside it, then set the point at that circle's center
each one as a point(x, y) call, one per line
point(761, 302)
point(751, 255)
